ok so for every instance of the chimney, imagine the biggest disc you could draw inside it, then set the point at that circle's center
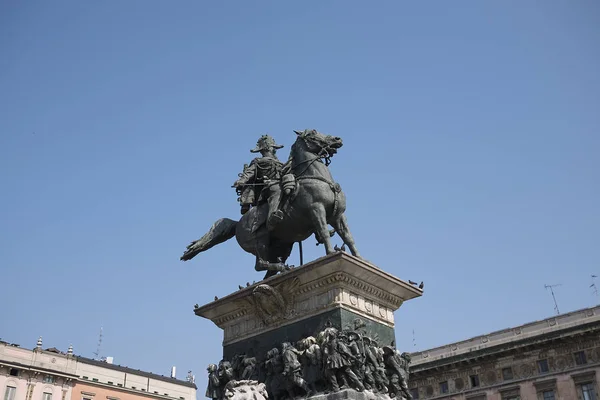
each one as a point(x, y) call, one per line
point(39, 344)
point(173, 369)
point(109, 360)
point(70, 351)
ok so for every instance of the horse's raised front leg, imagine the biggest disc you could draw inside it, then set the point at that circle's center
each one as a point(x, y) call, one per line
point(272, 268)
point(319, 220)
point(266, 261)
point(341, 227)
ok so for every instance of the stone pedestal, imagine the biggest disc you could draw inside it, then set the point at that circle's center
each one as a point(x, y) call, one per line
point(338, 290)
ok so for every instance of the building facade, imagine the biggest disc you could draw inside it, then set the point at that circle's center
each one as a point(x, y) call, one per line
point(554, 359)
point(51, 375)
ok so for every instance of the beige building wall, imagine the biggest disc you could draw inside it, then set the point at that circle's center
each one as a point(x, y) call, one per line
point(35, 374)
point(51, 375)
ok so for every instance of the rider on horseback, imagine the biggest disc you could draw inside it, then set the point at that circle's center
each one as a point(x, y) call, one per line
point(260, 181)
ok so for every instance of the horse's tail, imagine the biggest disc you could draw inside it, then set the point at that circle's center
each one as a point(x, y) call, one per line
point(219, 232)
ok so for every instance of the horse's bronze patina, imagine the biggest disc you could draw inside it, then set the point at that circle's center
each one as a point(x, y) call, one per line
point(311, 201)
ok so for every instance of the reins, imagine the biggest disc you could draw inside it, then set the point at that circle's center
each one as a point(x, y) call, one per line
point(335, 188)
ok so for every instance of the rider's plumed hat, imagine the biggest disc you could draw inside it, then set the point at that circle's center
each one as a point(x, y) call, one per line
point(264, 143)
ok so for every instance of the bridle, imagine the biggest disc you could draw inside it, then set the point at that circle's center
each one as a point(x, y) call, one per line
point(323, 155)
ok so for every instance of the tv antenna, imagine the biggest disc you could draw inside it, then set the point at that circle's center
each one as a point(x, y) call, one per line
point(593, 285)
point(97, 353)
point(191, 378)
point(551, 287)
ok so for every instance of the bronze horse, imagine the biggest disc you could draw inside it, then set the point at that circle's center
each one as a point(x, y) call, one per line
point(315, 202)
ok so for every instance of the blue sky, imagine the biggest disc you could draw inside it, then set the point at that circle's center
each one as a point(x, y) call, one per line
point(124, 124)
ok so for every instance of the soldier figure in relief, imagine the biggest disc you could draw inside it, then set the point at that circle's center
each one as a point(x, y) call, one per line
point(292, 370)
point(312, 362)
point(225, 373)
point(397, 368)
point(213, 390)
point(274, 369)
point(374, 367)
point(338, 360)
point(250, 369)
point(260, 181)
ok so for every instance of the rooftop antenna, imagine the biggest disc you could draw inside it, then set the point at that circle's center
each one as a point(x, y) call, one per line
point(97, 353)
point(593, 285)
point(414, 341)
point(551, 287)
point(191, 378)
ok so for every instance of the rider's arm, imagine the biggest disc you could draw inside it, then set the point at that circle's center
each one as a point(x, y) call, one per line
point(247, 175)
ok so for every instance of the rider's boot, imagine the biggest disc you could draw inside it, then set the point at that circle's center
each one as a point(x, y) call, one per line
point(274, 216)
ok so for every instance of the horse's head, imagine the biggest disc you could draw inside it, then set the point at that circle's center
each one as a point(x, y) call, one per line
point(319, 143)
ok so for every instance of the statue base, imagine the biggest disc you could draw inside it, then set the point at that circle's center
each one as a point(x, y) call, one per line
point(337, 290)
point(350, 394)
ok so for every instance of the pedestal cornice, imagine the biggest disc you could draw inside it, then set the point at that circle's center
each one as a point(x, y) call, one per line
point(338, 280)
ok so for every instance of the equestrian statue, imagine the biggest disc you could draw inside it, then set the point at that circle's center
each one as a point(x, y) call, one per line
point(284, 203)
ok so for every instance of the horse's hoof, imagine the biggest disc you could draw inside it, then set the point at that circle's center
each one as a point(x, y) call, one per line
point(284, 268)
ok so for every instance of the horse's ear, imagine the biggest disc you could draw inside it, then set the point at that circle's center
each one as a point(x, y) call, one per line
point(298, 132)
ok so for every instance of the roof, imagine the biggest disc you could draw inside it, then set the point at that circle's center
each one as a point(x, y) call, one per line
point(121, 368)
point(557, 323)
point(115, 367)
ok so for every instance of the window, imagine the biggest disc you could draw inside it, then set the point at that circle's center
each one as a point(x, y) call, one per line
point(580, 358)
point(110, 383)
point(133, 387)
point(543, 366)
point(588, 392)
point(444, 387)
point(545, 389)
point(9, 394)
point(85, 377)
point(548, 395)
point(507, 373)
point(511, 394)
point(474, 380)
point(48, 379)
point(95, 379)
point(47, 396)
point(14, 372)
point(414, 392)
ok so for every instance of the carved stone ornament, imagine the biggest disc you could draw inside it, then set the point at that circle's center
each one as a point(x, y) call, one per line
point(245, 390)
point(272, 304)
point(526, 370)
point(490, 377)
point(459, 384)
point(429, 390)
point(595, 354)
point(561, 363)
